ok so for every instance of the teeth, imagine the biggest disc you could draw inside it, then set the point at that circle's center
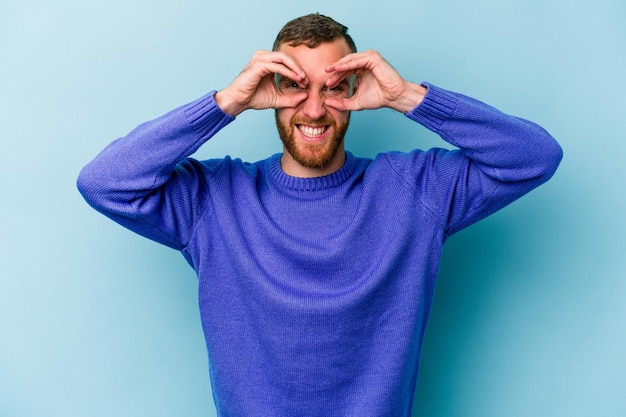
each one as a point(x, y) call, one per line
point(312, 132)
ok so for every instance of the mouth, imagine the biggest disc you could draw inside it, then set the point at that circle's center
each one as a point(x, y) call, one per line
point(313, 132)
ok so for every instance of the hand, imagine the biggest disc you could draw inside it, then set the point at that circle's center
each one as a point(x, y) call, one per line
point(254, 86)
point(379, 85)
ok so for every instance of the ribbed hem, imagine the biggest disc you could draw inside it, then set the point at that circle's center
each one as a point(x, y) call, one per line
point(437, 106)
point(309, 184)
point(206, 117)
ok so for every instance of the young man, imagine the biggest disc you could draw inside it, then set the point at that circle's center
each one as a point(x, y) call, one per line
point(316, 268)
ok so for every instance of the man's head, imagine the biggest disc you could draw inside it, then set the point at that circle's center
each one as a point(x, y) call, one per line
point(312, 133)
point(312, 30)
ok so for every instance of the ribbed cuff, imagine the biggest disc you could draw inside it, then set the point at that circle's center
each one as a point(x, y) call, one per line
point(437, 106)
point(206, 117)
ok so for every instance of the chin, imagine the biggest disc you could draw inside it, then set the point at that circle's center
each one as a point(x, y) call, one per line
point(310, 154)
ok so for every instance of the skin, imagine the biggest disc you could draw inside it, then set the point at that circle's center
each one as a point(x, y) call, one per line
point(313, 132)
point(312, 122)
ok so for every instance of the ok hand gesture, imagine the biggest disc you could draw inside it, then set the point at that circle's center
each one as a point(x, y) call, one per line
point(380, 85)
point(254, 86)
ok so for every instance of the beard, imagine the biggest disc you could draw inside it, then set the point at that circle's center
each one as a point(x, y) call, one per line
point(311, 155)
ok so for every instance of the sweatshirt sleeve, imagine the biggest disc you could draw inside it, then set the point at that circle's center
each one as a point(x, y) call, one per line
point(499, 158)
point(126, 181)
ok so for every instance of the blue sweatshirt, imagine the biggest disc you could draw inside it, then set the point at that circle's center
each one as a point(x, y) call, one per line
point(315, 292)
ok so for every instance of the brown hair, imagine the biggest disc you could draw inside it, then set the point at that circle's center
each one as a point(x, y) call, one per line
point(312, 30)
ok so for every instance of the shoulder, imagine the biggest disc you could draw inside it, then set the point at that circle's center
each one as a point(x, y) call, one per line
point(421, 172)
point(226, 167)
point(415, 161)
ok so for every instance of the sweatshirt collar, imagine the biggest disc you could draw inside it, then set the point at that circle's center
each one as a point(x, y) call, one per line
point(310, 184)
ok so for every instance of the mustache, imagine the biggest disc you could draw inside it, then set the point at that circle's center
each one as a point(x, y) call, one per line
point(326, 120)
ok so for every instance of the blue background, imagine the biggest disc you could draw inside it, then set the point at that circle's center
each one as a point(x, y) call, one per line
point(530, 313)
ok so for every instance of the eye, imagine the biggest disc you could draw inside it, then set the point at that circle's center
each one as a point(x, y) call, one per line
point(291, 85)
point(344, 89)
point(285, 85)
point(335, 91)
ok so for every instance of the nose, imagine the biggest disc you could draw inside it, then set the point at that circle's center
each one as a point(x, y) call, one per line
point(313, 107)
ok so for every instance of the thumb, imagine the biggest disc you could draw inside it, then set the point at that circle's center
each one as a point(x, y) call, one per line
point(289, 100)
point(342, 104)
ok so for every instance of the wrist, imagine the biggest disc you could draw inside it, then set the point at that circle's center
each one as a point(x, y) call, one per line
point(410, 98)
point(228, 104)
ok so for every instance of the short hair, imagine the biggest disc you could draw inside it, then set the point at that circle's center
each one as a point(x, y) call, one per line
point(312, 30)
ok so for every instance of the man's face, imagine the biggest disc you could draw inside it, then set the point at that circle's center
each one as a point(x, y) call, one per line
point(313, 133)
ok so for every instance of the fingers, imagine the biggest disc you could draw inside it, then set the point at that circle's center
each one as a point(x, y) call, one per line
point(367, 60)
point(342, 104)
point(291, 100)
point(277, 62)
point(340, 70)
point(253, 88)
point(380, 85)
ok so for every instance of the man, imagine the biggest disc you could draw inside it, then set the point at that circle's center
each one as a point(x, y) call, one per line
point(316, 268)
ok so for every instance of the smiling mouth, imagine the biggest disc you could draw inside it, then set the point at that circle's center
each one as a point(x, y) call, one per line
point(312, 131)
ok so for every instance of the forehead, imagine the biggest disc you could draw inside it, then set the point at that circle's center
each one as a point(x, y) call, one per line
point(314, 60)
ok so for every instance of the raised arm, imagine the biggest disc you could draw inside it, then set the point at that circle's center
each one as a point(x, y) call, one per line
point(500, 157)
point(145, 180)
point(127, 180)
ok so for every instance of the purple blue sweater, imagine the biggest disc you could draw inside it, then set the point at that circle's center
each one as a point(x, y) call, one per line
point(315, 292)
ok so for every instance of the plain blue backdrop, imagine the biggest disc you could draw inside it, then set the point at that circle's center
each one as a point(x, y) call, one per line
point(530, 311)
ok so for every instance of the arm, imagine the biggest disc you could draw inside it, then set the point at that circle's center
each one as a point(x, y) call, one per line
point(126, 181)
point(145, 181)
point(500, 157)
